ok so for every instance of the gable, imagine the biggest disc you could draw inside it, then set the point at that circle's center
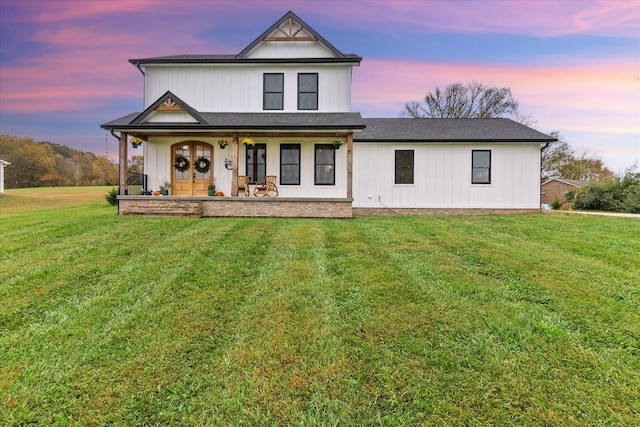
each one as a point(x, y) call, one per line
point(290, 37)
point(169, 109)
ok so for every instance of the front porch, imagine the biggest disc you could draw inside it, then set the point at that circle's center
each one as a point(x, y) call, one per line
point(221, 206)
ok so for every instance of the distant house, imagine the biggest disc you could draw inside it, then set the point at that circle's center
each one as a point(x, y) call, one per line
point(557, 188)
point(3, 164)
point(282, 108)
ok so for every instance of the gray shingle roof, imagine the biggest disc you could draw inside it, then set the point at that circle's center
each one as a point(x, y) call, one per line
point(246, 121)
point(447, 130)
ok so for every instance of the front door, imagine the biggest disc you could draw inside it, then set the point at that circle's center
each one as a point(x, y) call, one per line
point(192, 168)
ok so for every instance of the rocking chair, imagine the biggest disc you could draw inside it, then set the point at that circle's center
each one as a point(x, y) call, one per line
point(268, 188)
point(243, 185)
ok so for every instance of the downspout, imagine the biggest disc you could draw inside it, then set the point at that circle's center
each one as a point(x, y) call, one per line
point(546, 145)
point(137, 64)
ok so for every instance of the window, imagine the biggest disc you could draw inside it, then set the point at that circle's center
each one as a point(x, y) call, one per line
point(481, 166)
point(404, 167)
point(308, 91)
point(273, 91)
point(325, 165)
point(256, 162)
point(290, 164)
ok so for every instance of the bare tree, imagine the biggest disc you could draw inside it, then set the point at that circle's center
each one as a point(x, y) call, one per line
point(559, 160)
point(463, 102)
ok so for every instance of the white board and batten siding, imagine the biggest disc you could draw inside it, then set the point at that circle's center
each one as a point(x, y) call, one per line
point(442, 176)
point(235, 88)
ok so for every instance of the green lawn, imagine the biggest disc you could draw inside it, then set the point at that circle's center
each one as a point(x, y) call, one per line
point(447, 320)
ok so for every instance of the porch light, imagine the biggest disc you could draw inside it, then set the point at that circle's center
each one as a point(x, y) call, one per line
point(228, 164)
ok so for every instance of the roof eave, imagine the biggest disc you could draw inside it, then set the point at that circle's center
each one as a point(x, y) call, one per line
point(458, 140)
point(176, 61)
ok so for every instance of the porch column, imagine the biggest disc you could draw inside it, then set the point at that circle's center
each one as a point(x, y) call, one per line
point(234, 174)
point(122, 165)
point(350, 164)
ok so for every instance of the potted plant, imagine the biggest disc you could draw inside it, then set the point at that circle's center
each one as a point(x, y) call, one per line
point(248, 141)
point(136, 142)
point(211, 190)
point(337, 143)
point(164, 188)
point(223, 143)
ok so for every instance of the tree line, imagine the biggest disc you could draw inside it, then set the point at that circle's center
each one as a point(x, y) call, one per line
point(46, 164)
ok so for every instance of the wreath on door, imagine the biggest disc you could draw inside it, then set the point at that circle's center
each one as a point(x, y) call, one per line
point(181, 164)
point(202, 164)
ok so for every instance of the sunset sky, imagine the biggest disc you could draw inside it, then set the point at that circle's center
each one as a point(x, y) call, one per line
point(574, 66)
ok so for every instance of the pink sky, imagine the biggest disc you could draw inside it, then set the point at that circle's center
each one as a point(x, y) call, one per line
point(574, 66)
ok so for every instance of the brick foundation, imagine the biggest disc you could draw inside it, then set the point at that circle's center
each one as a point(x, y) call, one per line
point(196, 207)
point(277, 207)
point(435, 211)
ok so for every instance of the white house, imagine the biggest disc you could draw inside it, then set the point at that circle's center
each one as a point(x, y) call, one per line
point(282, 107)
point(3, 164)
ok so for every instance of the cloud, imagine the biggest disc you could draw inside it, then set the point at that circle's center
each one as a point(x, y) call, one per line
point(586, 96)
point(542, 18)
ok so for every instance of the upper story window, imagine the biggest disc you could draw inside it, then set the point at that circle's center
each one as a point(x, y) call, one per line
point(273, 91)
point(308, 91)
point(290, 164)
point(481, 166)
point(404, 167)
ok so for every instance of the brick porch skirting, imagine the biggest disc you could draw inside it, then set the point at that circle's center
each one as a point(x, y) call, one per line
point(266, 207)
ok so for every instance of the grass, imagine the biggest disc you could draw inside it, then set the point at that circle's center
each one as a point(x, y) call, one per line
point(462, 320)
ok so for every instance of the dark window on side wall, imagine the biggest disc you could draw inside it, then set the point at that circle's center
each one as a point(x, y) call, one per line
point(481, 166)
point(308, 91)
point(404, 167)
point(273, 91)
point(290, 164)
point(256, 162)
point(325, 164)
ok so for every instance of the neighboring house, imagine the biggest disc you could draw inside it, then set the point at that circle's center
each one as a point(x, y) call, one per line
point(557, 188)
point(288, 95)
point(3, 164)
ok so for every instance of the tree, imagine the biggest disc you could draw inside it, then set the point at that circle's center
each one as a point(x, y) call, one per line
point(35, 164)
point(554, 157)
point(473, 101)
point(587, 167)
point(559, 160)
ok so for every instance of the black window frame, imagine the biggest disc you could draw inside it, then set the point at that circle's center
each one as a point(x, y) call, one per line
point(300, 92)
point(329, 148)
point(265, 92)
point(475, 167)
point(253, 168)
point(284, 177)
point(400, 168)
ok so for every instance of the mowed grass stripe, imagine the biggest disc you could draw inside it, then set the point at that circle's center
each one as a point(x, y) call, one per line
point(500, 320)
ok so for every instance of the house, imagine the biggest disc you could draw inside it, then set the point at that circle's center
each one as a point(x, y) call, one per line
point(282, 107)
point(557, 188)
point(3, 164)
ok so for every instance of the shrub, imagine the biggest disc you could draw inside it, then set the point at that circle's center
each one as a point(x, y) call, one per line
point(112, 197)
point(620, 194)
point(555, 205)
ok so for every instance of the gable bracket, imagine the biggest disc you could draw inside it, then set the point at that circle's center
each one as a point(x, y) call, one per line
point(169, 105)
point(289, 33)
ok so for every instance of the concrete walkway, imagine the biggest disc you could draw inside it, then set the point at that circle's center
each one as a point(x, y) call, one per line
point(625, 215)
